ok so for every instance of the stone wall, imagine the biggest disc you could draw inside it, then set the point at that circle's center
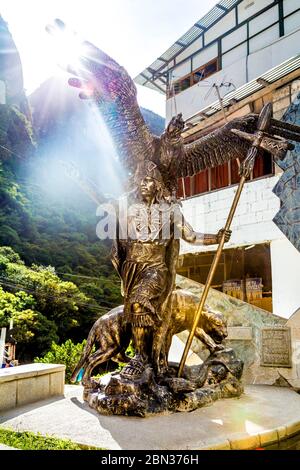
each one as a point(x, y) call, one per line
point(245, 324)
point(30, 383)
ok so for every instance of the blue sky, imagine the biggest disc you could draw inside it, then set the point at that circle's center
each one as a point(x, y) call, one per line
point(134, 32)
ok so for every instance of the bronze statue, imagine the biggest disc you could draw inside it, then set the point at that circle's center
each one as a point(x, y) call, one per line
point(112, 333)
point(145, 256)
point(146, 263)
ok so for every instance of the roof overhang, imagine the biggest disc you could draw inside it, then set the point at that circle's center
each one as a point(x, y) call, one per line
point(154, 76)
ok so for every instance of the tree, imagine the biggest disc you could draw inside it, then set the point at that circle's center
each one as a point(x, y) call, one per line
point(32, 330)
point(44, 305)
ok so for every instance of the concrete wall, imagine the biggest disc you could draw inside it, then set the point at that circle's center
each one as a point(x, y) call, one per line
point(253, 219)
point(285, 262)
point(30, 383)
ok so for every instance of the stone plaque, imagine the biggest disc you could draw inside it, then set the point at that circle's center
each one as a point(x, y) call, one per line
point(243, 333)
point(276, 347)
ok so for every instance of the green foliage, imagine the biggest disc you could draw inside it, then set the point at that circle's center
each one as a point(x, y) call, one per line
point(71, 280)
point(129, 352)
point(30, 441)
point(16, 134)
point(155, 122)
point(44, 308)
point(56, 299)
point(10, 255)
point(67, 353)
point(31, 327)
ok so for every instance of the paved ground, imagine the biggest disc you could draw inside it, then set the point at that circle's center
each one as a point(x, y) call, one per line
point(262, 415)
point(3, 447)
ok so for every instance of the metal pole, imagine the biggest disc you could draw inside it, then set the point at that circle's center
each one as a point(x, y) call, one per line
point(2, 345)
point(221, 102)
point(183, 188)
point(211, 274)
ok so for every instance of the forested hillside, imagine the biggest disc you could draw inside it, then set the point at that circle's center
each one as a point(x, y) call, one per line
point(55, 276)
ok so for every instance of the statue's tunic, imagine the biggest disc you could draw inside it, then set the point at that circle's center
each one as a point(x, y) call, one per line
point(145, 261)
point(145, 276)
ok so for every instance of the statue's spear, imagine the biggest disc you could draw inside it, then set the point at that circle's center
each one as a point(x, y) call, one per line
point(263, 125)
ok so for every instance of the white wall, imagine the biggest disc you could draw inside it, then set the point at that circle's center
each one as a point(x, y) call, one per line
point(239, 70)
point(263, 21)
point(292, 22)
point(252, 222)
point(233, 56)
point(269, 36)
point(285, 260)
point(181, 70)
point(191, 100)
point(2, 92)
point(248, 8)
point(205, 56)
point(233, 39)
point(289, 6)
point(274, 54)
point(194, 47)
point(224, 25)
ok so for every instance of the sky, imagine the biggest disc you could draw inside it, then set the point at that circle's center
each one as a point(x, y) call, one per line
point(133, 32)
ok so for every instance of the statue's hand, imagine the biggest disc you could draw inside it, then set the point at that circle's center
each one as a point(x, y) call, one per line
point(97, 75)
point(227, 235)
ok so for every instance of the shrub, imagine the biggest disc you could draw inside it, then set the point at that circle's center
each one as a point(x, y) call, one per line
point(67, 353)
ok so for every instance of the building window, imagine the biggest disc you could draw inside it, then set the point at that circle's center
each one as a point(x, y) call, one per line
point(243, 272)
point(222, 176)
point(205, 71)
point(182, 85)
point(195, 77)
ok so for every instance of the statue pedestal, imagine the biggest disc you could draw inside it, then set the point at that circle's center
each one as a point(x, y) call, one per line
point(256, 419)
point(218, 377)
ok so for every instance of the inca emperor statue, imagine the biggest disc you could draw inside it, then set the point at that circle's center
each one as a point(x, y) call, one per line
point(146, 252)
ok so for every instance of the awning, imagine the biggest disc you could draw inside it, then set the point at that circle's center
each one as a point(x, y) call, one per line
point(154, 76)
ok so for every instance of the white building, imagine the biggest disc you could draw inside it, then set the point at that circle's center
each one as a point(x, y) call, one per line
point(249, 51)
point(2, 92)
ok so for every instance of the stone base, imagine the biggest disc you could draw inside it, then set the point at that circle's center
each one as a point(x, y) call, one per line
point(29, 383)
point(256, 419)
point(218, 377)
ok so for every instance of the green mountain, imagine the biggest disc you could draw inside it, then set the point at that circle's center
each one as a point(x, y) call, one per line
point(56, 276)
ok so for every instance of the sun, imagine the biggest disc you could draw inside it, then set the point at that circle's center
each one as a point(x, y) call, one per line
point(67, 46)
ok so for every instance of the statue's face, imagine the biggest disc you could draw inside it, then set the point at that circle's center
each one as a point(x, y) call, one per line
point(148, 187)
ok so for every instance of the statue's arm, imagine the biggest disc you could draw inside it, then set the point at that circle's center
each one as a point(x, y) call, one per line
point(188, 234)
point(197, 238)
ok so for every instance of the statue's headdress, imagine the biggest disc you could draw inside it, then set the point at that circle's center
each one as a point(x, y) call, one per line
point(148, 168)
